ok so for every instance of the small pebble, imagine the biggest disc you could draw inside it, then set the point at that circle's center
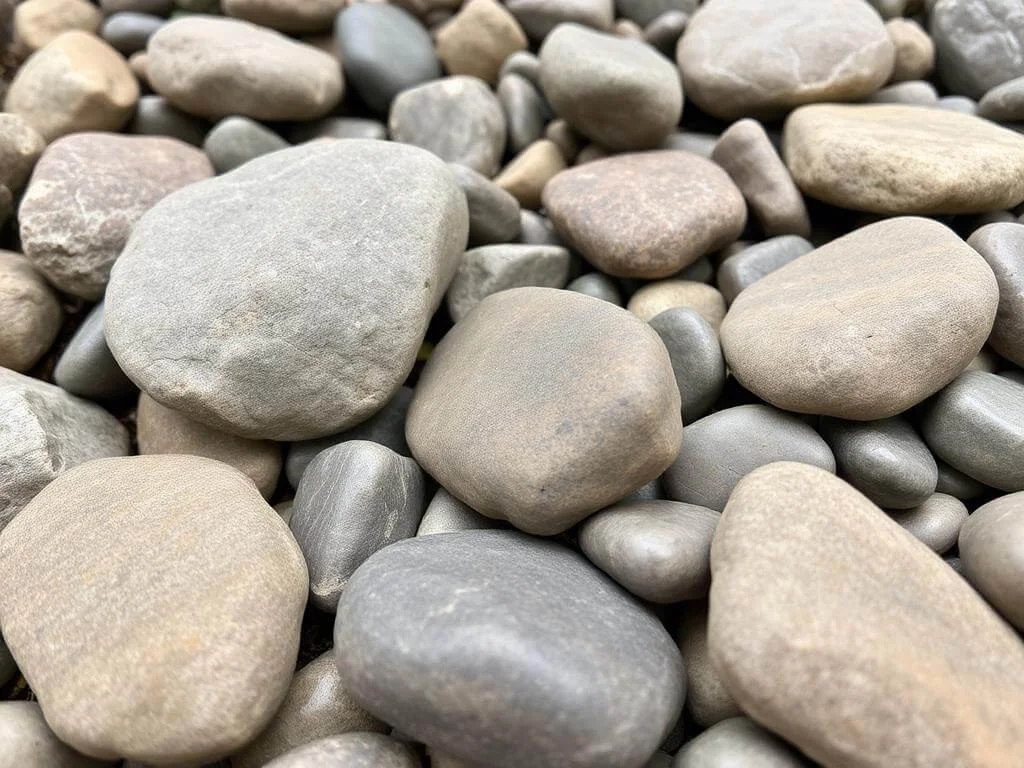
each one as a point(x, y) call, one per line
point(696, 357)
point(352, 750)
point(991, 547)
point(1002, 246)
point(525, 110)
point(30, 313)
point(493, 212)
point(478, 39)
point(87, 368)
point(37, 22)
point(155, 116)
point(962, 104)
point(915, 51)
point(527, 175)
point(235, 141)
point(563, 136)
point(540, 17)
point(955, 483)
point(664, 32)
point(657, 297)
point(1005, 102)
point(707, 697)
point(753, 262)
point(446, 514)
point(702, 144)
point(524, 64)
point(129, 32)
point(337, 128)
point(597, 285)
point(534, 229)
point(738, 741)
point(936, 522)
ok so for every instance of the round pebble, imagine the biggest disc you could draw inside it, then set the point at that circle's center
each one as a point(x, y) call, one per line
point(87, 368)
point(446, 514)
point(597, 285)
point(528, 173)
point(914, 49)
point(37, 22)
point(129, 32)
point(540, 17)
point(696, 357)
point(155, 116)
point(30, 313)
point(991, 542)
point(655, 298)
point(352, 750)
point(525, 110)
point(493, 212)
point(235, 141)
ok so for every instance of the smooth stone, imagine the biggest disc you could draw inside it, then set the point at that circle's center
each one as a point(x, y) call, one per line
point(20, 148)
point(492, 268)
point(1005, 102)
point(493, 212)
point(919, 92)
point(885, 460)
point(351, 750)
point(707, 699)
point(458, 118)
point(834, 50)
point(534, 229)
point(915, 50)
point(900, 159)
point(936, 522)
point(619, 93)
point(925, 300)
point(415, 639)
point(526, 113)
point(188, 620)
point(696, 357)
point(571, 444)
point(154, 7)
point(297, 260)
point(129, 32)
point(385, 51)
point(446, 514)
point(318, 704)
point(978, 45)
point(804, 631)
point(749, 265)
point(664, 32)
point(337, 128)
point(37, 22)
point(86, 194)
point(30, 313)
point(655, 298)
point(293, 16)
point(959, 104)
point(353, 500)
point(643, 12)
point(235, 141)
point(47, 433)
point(155, 116)
point(992, 554)
point(1002, 247)
point(590, 153)
point(976, 424)
point(680, 207)
point(540, 17)
point(527, 175)
point(214, 67)
point(658, 550)
point(87, 368)
point(524, 64)
point(628, 29)
point(565, 139)
point(702, 144)
point(28, 741)
point(955, 483)
point(597, 285)
point(478, 39)
point(721, 449)
point(748, 156)
point(74, 83)
point(738, 741)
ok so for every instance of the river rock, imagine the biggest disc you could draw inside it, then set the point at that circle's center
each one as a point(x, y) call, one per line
point(446, 514)
point(914, 49)
point(738, 741)
point(955, 483)
point(20, 148)
point(535, 229)
point(493, 212)
point(183, 618)
point(352, 750)
point(155, 116)
point(919, 92)
point(154, 7)
point(29, 742)
point(87, 368)
point(129, 32)
point(992, 552)
point(1002, 246)
point(597, 285)
point(657, 297)
point(805, 339)
point(540, 17)
point(297, 260)
point(936, 522)
point(696, 357)
point(295, 16)
point(707, 699)
point(337, 128)
point(804, 633)
point(570, 444)
point(978, 46)
point(746, 267)
point(37, 22)
point(527, 174)
point(235, 141)
point(415, 637)
point(526, 112)
point(1005, 102)
point(478, 39)
point(30, 313)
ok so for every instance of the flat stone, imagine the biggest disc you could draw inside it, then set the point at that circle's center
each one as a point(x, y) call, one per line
point(619, 93)
point(235, 141)
point(658, 550)
point(914, 49)
point(978, 45)
point(1002, 246)
point(936, 522)
point(696, 357)
point(30, 313)
point(655, 298)
point(385, 51)
point(20, 148)
point(37, 22)
point(354, 499)
point(836, 50)
point(459, 119)
point(493, 212)
point(707, 699)
point(681, 207)
point(540, 17)
point(352, 750)
point(956, 483)
point(597, 285)
point(47, 432)
point(526, 112)
point(992, 553)
point(129, 32)
point(337, 128)
point(721, 449)
point(738, 741)
point(493, 268)
point(919, 92)
point(749, 265)
point(294, 16)
point(87, 368)
point(446, 514)
point(1005, 102)
point(297, 260)
point(896, 159)
point(478, 39)
point(643, 12)
point(866, 326)
point(977, 425)
point(415, 639)
point(76, 82)
point(527, 175)
point(187, 619)
point(804, 631)
point(570, 444)
point(155, 116)
point(215, 67)
point(29, 742)
point(87, 193)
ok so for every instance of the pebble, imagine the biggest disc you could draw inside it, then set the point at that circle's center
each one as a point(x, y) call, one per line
point(896, 159)
point(493, 212)
point(658, 550)
point(492, 268)
point(155, 116)
point(664, 32)
point(522, 63)
point(528, 173)
point(702, 144)
point(991, 547)
point(750, 264)
point(415, 639)
point(643, 12)
point(129, 32)
point(1002, 246)
point(696, 357)
point(337, 128)
point(47, 432)
point(977, 425)
point(184, 248)
point(720, 449)
point(914, 92)
point(564, 137)
point(293, 16)
point(459, 119)
point(37, 22)
point(87, 368)
point(817, 642)
point(154, 7)
point(478, 39)
point(86, 194)
point(936, 522)
point(29, 743)
point(747, 155)
point(214, 67)
point(20, 148)
point(758, 58)
point(619, 93)
point(657, 297)
point(235, 141)
point(186, 620)
point(76, 82)
point(30, 313)
point(353, 500)
point(707, 699)
point(573, 444)
point(681, 207)
point(955, 483)
point(352, 750)
point(978, 45)
point(1004, 103)
point(806, 339)
point(534, 229)
point(738, 741)
point(597, 285)
point(385, 51)
point(526, 112)
point(915, 50)
point(627, 29)
point(958, 104)
point(540, 17)
point(446, 514)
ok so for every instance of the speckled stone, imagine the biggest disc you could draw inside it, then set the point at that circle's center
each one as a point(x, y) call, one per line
point(696, 357)
point(478, 39)
point(527, 174)
point(657, 297)
point(738, 741)
point(493, 212)
point(936, 522)
point(352, 750)
point(30, 313)
point(597, 285)
point(914, 50)
point(978, 45)
point(540, 17)
point(1002, 246)
point(750, 264)
point(235, 141)
point(87, 368)
point(707, 699)
point(28, 741)
point(992, 552)
point(446, 514)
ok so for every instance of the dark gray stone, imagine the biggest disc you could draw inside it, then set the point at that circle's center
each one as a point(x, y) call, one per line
point(739, 741)
point(129, 32)
point(87, 368)
point(745, 268)
point(649, 491)
point(430, 628)
point(992, 554)
point(643, 12)
point(154, 7)
point(936, 522)
point(525, 111)
point(1002, 246)
point(955, 483)
point(701, 271)
point(235, 141)
point(446, 514)
point(696, 356)
point(354, 499)
point(598, 285)
point(8, 667)
point(522, 63)
point(493, 212)
point(351, 750)
point(978, 45)
point(156, 116)
point(337, 128)
point(535, 229)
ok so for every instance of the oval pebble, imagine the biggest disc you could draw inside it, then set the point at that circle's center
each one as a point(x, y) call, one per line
point(936, 522)
point(743, 269)
point(707, 699)
point(696, 357)
point(738, 741)
point(352, 750)
point(1002, 246)
point(235, 141)
point(493, 212)
point(992, 553)
point(446, 514)
point(657, 297)
point(30, 313)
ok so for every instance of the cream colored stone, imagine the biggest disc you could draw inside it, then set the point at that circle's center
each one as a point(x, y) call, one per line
point(915, 51)
point(527, 173)
point(654, 298)
point(37, 22)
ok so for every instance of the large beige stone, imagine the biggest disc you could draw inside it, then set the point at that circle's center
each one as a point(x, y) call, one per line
point(37, 22)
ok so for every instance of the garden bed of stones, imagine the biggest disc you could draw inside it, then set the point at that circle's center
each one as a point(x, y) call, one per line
point(512, 383)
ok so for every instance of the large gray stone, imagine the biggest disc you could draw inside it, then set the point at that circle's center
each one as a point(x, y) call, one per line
point(992, 551)
point(696, 357)
point(978, 45)
point(1002, 246)
point(87, 368)
point(738, 741)
point(28, 741)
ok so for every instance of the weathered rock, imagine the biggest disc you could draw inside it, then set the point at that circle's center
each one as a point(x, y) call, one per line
point(29, 743)
point(707, 699)
point(936, 522)
point(87, 368)
point(155, 116)
point(446, 514)
point(493, 212)
point(235, 141)
point(914, 50)
point(738, 741)
point(478, 39)
point(352, 750)
point(285, 15)
point(1002, 246)
point(992, 552)
point(540, 17)
point(30, 313)
point(749, 265)
point(655, 298)
point(696, 357)
point(129, 32)
point(37, 22)
point(20, 148)
point(528, 173)
point(978, 45)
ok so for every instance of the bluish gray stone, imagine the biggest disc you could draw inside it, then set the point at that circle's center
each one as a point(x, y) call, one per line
point(129, 31)
point(696, 356)
point(156, 116)
point(978, 45)
point(235, 141)
point(745, 268)
point(526, 113)
point(87, 368)
point(493, 212)
point(598, 285)
point(935, 522)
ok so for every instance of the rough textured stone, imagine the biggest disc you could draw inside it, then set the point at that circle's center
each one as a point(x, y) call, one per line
point(215, 67)
point(979, 45)
point(597, 285)
point(37, 22)
point(936, 522)
point(207, 624)
point(285, 15)
point(235, 141)
point(526, 112)
point(866, 326)
point(155, 116)
point(415, 639)
point(446, 514)
point(992, 553)
point(895, 158)
point(86, 366)
point(306, 273)
point(749, 265)
point(804, 632)
point(130, 32)
point(914, 50)
point(30, 313)
point(528, 173)
point(352, 750)
point(655, 298)
point(707, 699)
point(493, 212)
point(571, 444)
point(540, 17)
point(696, 357)
point(738, 741)
point(680, 206)
point(20, 148)
point(1002, 246)
point(760, 58)
point(478, 39)
point(619, 93)
point(29, 743)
